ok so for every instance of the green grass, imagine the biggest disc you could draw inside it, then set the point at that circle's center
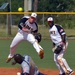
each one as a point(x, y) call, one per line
point(27, 48)
point(42, 29)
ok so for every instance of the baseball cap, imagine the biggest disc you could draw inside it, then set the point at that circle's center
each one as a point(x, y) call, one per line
point(34, 15)
point(50, 19)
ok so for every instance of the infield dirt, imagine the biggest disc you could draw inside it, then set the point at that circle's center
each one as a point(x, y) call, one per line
point(13, 71)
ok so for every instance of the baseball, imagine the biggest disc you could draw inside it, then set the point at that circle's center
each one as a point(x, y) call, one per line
point(18, 73)
point(20, 9)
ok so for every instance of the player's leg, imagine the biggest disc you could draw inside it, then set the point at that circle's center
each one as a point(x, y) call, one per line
point(57, 64)
point(37, 47)
point(60, 61)
point(64, 60)
point(67, 66)
point(17, 39)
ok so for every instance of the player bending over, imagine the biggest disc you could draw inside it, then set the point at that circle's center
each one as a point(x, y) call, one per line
point(27, 65)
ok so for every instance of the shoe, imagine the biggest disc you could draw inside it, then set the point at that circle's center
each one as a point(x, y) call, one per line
point(62, 74)
point(41, 54)
point(40, 73)
point(71, 72)
point(8, 60)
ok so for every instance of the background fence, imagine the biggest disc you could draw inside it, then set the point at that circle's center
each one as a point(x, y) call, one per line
point(9, 22)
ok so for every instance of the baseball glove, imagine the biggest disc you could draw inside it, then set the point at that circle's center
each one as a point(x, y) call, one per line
point(58, 49)
point(38, 37)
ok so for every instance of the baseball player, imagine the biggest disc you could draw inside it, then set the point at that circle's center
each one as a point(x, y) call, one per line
point(27, 28)
point(27, 65)
point(60, 43)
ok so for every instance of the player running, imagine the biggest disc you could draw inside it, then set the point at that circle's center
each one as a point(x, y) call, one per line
point(60, 43)
point(27, 65)
point(27, 28)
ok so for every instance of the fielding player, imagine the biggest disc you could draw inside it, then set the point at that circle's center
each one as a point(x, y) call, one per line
point(60, 43)
point(27, 65)
point(27, 29)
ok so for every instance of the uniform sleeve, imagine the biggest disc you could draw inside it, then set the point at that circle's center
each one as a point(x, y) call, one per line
point(62, 33)
point(60, 30)
point(36, 28)
point(22, 23)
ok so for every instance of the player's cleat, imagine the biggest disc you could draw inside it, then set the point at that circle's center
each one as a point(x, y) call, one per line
point(62, 74)
point(41, 54)
point(71, 72)
point(8, 60)
point(40, 73)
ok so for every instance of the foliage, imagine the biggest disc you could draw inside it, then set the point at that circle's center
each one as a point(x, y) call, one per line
point(56, 5)
point(16, 4)
point(66, 21)
point(44, 5)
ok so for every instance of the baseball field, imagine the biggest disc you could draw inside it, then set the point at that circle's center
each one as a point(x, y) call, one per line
point(46, 65)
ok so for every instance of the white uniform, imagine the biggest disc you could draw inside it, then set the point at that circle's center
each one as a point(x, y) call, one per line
point(21, 36)
point(55, 33)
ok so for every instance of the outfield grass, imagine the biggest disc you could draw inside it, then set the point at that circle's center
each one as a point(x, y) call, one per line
point(27, 48)
point(42, 29)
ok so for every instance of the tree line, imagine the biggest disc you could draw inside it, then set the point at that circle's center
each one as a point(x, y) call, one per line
point(44, 5)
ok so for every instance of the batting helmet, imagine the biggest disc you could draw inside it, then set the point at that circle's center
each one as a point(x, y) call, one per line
point(18, 58)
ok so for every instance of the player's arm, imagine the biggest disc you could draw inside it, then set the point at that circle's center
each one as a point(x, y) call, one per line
point(63, 38)
point(62, 34)
point(35, 31)
point(53, 48)
point(26, 30)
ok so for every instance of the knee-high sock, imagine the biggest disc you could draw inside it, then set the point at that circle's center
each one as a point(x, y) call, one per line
point(66, 64)
point(59, 67)
point(63, 66)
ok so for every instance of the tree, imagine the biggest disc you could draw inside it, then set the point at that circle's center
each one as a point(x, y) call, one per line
point(35, 5)
point(55, 5)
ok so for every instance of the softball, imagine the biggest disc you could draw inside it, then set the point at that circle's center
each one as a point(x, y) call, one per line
point(20, 9)
point(18, 73)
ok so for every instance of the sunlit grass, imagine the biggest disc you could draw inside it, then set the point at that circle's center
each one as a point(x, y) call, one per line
point(42, 29)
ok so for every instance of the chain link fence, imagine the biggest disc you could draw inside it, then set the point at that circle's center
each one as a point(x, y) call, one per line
point(9, 23)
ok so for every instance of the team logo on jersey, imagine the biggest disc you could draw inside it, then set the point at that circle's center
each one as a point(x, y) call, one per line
point(52, 32)
point(26, 26)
